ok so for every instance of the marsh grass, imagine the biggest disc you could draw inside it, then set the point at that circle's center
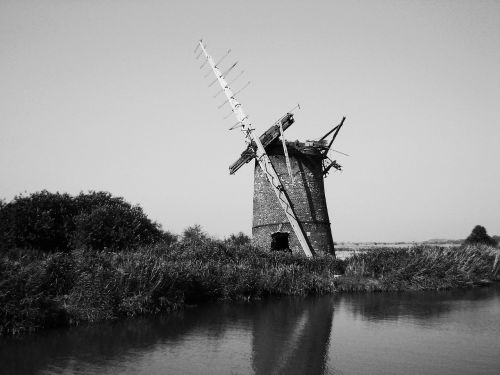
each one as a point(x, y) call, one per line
point(40, 290)
point(418, 268)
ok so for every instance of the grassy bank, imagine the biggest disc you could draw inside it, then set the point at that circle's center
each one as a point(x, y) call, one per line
point(418, 268)
point(39, 290)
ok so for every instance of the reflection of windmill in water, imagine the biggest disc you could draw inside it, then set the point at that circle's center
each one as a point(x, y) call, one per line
point(292, 336)
point(289, 207)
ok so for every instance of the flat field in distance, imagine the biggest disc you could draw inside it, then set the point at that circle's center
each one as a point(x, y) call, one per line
point(344, 250)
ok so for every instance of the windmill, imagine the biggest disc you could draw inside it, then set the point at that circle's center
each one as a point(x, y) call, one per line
point(287, 176)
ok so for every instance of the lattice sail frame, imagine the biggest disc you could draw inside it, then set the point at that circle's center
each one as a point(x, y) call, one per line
point(260, 154)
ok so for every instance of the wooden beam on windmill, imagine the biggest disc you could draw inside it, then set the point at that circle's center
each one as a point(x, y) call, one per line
point(327, 162)
point(335, 131)
point(268, 137)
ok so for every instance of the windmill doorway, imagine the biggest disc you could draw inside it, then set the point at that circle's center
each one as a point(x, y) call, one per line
point(279, 241)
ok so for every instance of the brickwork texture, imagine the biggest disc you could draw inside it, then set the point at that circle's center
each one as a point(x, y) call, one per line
point(307, 194)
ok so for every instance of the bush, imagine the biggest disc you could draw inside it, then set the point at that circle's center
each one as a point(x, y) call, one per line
point(113, 227)
point(53, 222)
point(194, 233)
point(40, 221)
point(239, 239)
point(480, 236)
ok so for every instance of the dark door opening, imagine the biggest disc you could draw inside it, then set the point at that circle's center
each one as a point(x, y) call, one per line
point(279, 241)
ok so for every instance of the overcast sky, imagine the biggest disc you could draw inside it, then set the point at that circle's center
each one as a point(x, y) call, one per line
point(108, 95)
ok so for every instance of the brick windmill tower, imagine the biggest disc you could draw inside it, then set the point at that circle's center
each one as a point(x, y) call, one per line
point(301, 168)
point(289, 204)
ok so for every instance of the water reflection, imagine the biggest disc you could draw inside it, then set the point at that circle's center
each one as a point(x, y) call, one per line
point(105, 343)
point(420, 307)
point(292, 336)
point(365, 333)
point(283, 334)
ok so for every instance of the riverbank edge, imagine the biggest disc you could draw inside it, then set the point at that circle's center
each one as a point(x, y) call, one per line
point(40, 291)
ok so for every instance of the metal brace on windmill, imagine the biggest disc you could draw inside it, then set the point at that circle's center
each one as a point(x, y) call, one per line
point(289, 205)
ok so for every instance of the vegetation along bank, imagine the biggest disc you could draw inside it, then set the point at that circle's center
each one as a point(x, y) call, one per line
point(106, 266)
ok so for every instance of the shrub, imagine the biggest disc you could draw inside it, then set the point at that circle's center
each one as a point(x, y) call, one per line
point(113, 227)
point(480, 236)
point(194, 233)
point(39, 221)
point(53, 222)
point(239, 239)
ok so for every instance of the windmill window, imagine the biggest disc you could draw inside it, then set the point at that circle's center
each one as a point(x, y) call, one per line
point(279, 241)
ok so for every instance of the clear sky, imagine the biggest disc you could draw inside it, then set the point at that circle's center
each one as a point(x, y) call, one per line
point(108, 95)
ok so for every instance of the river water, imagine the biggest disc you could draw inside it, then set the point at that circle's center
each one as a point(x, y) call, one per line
point(450, 332)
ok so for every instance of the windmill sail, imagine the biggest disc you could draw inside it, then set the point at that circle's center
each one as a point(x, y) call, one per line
point(260, 153)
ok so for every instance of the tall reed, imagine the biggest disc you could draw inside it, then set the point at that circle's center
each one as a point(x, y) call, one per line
point(40, 290)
